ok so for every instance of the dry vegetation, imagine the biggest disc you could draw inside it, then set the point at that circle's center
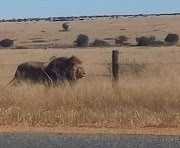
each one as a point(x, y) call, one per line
point(102, 29)
point(148, 94)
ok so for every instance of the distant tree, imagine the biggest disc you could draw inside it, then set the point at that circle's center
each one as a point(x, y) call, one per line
point(65, 26)
point(171, 39)
point(82, 40)
point(121, 40)
point(6, 43)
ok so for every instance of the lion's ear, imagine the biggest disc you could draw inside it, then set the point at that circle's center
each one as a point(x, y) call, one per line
point(52, 58)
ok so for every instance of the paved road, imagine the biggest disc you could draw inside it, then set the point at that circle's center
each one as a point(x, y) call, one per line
point(87, 141)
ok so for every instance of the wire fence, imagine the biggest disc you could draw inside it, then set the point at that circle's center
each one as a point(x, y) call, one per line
point(121, 64)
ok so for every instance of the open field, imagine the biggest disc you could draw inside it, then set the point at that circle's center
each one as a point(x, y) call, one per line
point(50, 34)
point(148, 94)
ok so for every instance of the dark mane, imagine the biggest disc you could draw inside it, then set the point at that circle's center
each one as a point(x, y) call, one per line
point(74, 60)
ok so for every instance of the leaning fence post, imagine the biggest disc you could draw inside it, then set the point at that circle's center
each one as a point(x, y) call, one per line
point(115, 66)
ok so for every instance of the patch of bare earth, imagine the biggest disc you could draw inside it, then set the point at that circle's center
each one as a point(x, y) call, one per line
point(83, 130)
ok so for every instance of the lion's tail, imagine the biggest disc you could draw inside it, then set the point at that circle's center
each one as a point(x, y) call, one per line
point(12, 82)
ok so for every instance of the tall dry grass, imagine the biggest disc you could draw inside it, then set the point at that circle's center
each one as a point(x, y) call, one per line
point(137, 102)
point(150, 97)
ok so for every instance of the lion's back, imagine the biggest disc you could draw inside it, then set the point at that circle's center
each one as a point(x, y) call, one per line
point(30, 70)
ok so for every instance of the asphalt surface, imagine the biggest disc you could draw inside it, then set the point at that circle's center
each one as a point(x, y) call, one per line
point(9, 140)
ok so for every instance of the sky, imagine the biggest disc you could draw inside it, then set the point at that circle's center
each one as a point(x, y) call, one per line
point(50, 8)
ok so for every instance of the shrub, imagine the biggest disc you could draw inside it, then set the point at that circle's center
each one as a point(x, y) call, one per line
point(158, 43)
point(121, 40)
point(129, 67)
point(171, 39)
point(133, 68)
point(98, 43)
point(82, 40)
point(145, 41)
point(21, 47)
point(6, 43)
point(65, 26)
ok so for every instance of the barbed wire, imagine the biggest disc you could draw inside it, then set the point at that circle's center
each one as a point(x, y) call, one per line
point(111, 63)
point(120, 74)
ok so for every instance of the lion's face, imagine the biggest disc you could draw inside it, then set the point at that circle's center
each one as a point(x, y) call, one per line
point(79, 71)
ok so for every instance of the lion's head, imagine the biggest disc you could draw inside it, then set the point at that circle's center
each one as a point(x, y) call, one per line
point(63, 68)
point(78, 71)
point(75, 70)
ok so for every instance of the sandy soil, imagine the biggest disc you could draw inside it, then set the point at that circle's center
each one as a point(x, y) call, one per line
point(82, 130)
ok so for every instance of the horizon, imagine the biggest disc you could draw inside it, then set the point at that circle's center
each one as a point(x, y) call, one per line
point(178, 13)
point(45, 8)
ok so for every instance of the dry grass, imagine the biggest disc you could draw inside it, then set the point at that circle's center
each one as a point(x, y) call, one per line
point(148, 94)
point(149, 98)
point(135, 103)
point(95, 29)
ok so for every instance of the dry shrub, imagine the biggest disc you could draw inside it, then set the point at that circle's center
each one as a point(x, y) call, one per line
point(20, 47)
point(6, 43)
point(148, 41)
point(127, 67)
point(133, 68)
point(145, 41)
point(171, 39)
point(82, 40)
point(100, 43)
point(65, 26)
point(121, 40)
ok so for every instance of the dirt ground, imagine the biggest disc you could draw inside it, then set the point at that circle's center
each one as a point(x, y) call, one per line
point(82, 130)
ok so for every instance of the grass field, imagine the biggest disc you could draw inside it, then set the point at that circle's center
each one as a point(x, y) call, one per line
point(50, 34)
point(148, 93)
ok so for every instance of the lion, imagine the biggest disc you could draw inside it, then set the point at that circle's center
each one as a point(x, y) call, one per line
point(55, 72)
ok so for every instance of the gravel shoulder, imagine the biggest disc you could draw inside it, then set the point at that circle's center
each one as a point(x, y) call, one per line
point(25, 140)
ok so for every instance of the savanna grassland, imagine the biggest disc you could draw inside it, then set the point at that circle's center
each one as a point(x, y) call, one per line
point(50, 34)
point(148, 93)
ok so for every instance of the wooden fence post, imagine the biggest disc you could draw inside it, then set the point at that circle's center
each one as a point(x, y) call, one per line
point(115, 65)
